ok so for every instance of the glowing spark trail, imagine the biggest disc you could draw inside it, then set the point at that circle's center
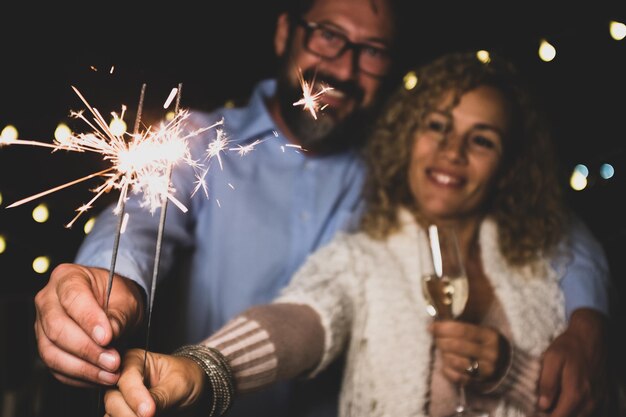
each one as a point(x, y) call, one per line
point(310, 100)
point(139, 161)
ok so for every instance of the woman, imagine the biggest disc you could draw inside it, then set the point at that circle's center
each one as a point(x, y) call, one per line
point(464, 148)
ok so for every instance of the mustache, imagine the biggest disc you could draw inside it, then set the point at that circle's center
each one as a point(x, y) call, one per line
point(349, 88)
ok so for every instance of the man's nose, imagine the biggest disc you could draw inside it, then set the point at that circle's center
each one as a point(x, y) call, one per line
point(343, 67)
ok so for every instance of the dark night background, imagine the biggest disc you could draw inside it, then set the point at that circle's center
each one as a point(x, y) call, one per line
point(218, 51)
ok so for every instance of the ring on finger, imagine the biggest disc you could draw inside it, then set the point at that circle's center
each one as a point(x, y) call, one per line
point(473, 367)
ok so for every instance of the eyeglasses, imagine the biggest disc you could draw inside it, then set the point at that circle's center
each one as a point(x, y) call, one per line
point(328, 43)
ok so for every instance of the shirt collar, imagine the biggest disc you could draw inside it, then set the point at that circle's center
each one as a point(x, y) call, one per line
point(254, 122)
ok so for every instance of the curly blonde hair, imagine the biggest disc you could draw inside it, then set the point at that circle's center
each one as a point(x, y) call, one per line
point(527, 202)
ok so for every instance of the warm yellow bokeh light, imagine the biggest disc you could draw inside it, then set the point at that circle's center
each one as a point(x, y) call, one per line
point(9, 133)
point(578, 181)
point(3, 244)
point(169, 115)
point(617, 30)
point(117, 126)
point(0, 199)
point(89, 225)
point(410, 80)
point(41, 213)
point(62, 133)
point(547, 52)
point(41, 264)
point(483, 56)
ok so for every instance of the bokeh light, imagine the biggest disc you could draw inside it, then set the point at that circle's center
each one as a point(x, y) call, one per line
point(8, 133)
point(410, 80)
point(607, 171)
point(41, 213)
point(547, 52)
point(41, 264)
point(89, 225)
point(483, 56)
point(617, 30)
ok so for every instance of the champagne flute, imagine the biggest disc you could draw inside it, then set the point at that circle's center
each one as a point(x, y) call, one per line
point(446, 288)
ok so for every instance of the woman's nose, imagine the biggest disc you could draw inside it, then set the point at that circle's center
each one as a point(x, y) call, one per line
point(453, 146)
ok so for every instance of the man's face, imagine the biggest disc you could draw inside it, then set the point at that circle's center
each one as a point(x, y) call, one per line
point(354, 92)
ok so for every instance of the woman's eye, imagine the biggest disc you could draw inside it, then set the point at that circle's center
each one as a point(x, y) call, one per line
point(436, 126)
point(483, 142)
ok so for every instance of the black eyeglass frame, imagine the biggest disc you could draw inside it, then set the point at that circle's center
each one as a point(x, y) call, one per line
point(310, 27)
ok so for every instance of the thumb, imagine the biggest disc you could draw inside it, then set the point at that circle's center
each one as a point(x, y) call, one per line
point(549, 381)
point(174, 381)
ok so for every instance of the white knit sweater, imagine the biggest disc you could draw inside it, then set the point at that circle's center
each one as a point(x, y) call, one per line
point(367, 293)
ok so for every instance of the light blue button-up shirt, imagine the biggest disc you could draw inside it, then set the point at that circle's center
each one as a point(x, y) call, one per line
point(265, 213)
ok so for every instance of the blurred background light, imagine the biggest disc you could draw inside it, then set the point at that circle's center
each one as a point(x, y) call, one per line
point(117, 126)
point(8, 133)
point(607, 171)
point(547, 52)
point(62, 133)
point(41, 264)
point(89, 225)
point(410, 80)
point(41, 213)
point(483, 56)
point(617, 30)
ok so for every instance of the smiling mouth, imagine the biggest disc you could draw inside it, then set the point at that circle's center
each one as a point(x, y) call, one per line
point(445, 179)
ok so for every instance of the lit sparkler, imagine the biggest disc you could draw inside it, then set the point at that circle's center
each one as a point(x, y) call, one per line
point(139, 161)
point(310, 100)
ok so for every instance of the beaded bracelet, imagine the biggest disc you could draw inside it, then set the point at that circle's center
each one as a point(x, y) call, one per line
point(215, 366)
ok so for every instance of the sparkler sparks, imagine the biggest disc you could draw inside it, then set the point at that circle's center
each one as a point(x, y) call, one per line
point(139, 161)
point(310, 100)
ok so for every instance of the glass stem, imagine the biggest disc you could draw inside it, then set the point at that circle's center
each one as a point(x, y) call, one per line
point(462, 405)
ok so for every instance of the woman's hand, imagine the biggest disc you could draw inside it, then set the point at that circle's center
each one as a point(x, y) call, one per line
point(466, 346)
point(170, 382)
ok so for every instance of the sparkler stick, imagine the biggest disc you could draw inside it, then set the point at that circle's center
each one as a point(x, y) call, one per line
point(157, 255)
point(122, 207)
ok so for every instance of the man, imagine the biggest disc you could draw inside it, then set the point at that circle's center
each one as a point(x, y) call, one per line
point(265, 213)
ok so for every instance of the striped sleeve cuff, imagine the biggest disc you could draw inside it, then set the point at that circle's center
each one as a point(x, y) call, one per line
point(519, 383)
point(249, 352)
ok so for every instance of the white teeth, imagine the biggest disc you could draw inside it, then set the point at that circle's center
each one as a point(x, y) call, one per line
point(444, 179)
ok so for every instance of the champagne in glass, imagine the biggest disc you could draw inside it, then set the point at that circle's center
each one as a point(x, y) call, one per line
point(446, 289)
point(444, 283)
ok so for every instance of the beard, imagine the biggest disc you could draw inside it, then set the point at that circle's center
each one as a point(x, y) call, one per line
point(328, 134)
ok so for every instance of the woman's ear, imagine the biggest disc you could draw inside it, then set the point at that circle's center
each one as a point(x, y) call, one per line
point(282, 34)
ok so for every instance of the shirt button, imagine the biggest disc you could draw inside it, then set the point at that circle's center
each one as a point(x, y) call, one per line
point(305, 216)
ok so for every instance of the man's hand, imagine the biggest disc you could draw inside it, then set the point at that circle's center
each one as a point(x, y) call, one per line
point(73, 329)
point(574, 377)
point(174, 382)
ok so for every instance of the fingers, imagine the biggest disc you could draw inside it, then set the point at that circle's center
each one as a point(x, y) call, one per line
point(574, 396)
point(131, 382)
point(549, 379)
point(461, 344)
point(72, 369)
point(173, 382)
point(71, 328)
point(132, 397)
point(79, 293)
point(116, 406)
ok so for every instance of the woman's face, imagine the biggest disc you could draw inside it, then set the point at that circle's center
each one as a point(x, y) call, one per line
point(456, 154)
